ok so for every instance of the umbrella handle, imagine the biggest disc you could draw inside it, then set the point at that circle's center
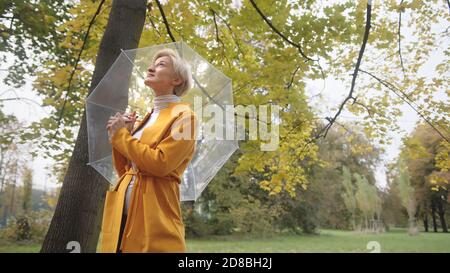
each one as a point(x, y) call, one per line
point(133, 115)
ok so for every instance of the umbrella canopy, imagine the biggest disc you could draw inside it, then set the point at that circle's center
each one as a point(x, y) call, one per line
point(122, 89)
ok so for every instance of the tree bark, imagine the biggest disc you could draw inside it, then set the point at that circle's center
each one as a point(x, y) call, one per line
point(13, 193)
point(425, 216)
point(425, 222)
point(441, 213)
point(79, 209)
point(2, 176)
point(433, 215)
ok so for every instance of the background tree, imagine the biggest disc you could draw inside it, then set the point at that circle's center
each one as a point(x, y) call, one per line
point(394, 214)
point(426, 156)
point(408, 197)
point(28, 29)
point(27, 177)
point(23, 230)
point(348, 194)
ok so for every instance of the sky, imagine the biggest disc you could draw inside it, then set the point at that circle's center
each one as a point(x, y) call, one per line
point(335, 91)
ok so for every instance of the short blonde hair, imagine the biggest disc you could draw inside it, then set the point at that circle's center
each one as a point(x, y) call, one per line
point(182, 70)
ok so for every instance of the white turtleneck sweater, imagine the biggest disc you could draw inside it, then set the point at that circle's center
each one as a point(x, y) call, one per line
point(160, 102)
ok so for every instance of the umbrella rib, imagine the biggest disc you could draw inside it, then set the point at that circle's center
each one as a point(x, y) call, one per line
point(133, 65)
point(206, 94)
point(104, 106)
point(193, 76)
point(99, 160)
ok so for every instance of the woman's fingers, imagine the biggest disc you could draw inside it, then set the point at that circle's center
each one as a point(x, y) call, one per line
point(117, 118)
point(129, 116)
point(130, 119)
point(111, 121)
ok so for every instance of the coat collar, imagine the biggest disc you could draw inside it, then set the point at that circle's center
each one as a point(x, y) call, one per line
point(147, 116)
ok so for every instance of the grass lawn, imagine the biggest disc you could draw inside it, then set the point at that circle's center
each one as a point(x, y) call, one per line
point(328, 241)
point(22, 247)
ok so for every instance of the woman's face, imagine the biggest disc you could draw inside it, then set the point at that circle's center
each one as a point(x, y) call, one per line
point(161, 76)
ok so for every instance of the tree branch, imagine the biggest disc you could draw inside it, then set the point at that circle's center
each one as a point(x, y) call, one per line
point(365, 107)
point(355, 73)
point(11, 22)
point(219, 41)
point(72, 74)
point(399, 36)
point(150, 9)
point(331, 120)
point(288, 86)
point(406, 99)
point(345, 128)
point(236, 41)
point(286, 39)
point(216, 28)
point(22, 99)
point(166, 23)
point(278, 32)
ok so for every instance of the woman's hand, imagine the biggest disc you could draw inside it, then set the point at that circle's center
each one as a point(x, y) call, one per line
point(115, 123)
point(130, 120)
point(118, 121)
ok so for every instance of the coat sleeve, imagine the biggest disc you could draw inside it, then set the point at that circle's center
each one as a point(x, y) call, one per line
point(167, 155)
point(119, 162)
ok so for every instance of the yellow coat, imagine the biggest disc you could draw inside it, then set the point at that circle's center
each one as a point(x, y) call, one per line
point(154, 222)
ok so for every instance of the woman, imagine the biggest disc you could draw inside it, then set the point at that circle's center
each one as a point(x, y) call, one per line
point(142, 213)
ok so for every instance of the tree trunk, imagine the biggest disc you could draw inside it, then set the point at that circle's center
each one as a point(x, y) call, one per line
point(2, 175)
point(441, 213)
point(412, 230)
point(13, 190)
point(79, 210)
point(425, 216)
point(366, 221)
point(353, 219)
point(433, 215)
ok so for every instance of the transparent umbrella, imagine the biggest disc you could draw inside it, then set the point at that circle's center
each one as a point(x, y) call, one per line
point(122, 89)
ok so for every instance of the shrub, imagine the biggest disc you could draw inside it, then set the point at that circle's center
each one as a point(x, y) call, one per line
point(30, 227)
